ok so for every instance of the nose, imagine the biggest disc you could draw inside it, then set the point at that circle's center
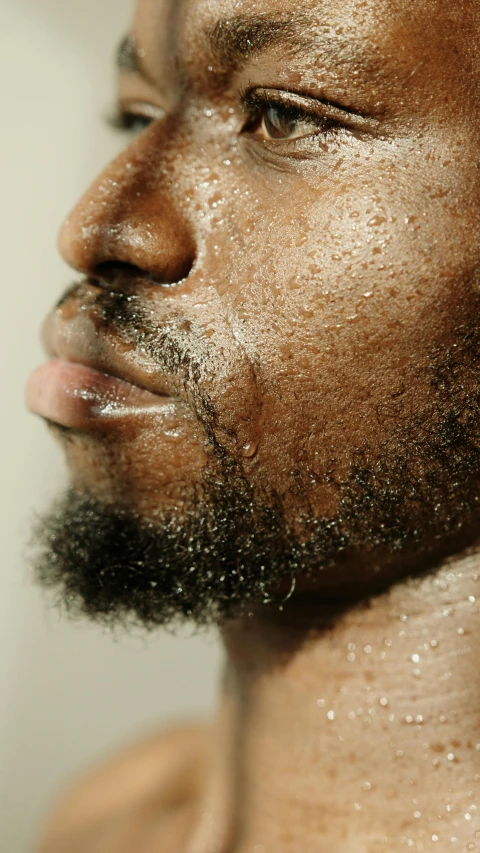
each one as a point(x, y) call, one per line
point(130, 223)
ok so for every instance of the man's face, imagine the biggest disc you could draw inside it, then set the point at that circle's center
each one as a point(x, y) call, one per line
point(288, 252)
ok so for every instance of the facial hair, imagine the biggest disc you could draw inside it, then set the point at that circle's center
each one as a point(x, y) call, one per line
point(230, 551)
point(233, 548)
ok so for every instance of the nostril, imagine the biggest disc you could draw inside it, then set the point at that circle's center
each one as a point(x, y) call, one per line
point(119, 274)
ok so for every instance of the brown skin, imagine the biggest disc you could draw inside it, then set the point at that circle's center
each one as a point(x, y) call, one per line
point(396, 765)
point(329, 277)
point(318, 260)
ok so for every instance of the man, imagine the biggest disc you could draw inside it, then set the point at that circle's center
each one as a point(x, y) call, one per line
point(266, 383)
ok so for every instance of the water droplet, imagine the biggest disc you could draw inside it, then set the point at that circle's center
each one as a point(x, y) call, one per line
point(384, 701)
point(367, 786)
point(249, 450)
point(331, 715)
point(434, 837)
point(471, 599)
point(367, 649)
point(321, 703)
point(451, 756)
point(417, 814)
point(468, 816)
point(415, 658)
point(377, 220)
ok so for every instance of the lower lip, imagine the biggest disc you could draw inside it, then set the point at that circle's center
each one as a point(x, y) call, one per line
point(79, 397)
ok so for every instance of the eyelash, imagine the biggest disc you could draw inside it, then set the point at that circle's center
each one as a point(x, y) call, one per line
point(124, 120)
point(254, 104)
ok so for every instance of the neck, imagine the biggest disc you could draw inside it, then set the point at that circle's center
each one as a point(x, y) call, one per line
point(359, 734)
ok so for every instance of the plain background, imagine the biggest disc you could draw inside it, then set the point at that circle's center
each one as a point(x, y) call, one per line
point(69, 694)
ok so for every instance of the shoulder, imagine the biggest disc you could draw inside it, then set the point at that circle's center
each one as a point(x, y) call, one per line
point(164, 769)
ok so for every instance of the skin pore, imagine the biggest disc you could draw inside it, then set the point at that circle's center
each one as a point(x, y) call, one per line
point(288, 251)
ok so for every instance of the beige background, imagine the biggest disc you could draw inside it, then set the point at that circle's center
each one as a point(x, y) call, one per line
point(68, 693)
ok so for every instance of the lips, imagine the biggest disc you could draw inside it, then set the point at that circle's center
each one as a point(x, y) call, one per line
point(76, 396)
point(92, 378)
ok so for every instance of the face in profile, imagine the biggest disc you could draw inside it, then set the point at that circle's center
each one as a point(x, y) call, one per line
point(266, 374)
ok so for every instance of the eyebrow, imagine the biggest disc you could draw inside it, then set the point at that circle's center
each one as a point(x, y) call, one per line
point(233, 41)
point(129, 56)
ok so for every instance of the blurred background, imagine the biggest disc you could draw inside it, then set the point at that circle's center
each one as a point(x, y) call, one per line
point(69, 694)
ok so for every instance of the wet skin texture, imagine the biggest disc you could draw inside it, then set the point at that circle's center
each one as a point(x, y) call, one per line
point(293, 241)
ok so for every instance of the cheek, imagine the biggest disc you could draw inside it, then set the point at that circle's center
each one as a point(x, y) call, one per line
point(344, 320)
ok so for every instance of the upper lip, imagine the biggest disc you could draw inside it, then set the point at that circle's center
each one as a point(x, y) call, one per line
point(76, 339)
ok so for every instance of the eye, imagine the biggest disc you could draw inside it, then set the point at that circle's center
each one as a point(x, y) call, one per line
point(279, 122)
point(130, 121)
point(275, 116)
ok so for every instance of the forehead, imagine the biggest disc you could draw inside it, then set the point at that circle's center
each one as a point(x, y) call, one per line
point(393, 24)
point(420, 54)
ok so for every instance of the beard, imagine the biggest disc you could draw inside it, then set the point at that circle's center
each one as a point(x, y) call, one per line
point(224, 555)
point(232, 551)
point(215, 562)
point(402, 507)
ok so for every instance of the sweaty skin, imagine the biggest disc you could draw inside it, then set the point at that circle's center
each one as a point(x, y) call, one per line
point(301, 207)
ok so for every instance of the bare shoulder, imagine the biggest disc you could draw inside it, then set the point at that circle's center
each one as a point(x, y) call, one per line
point(153, 777)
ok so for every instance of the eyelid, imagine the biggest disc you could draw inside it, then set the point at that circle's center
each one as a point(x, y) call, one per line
point(315, 107)
point(124, 110)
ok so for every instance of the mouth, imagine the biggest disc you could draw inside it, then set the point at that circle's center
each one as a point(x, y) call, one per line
point(92, 378)
point(73, 395)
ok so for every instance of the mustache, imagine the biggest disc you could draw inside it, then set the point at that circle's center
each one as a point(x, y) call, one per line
point(199, 355)
point(170, 341)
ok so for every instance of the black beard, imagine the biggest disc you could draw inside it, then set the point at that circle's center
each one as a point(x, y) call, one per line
point(231, 550)
point(402, 508)
point(207, 566)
